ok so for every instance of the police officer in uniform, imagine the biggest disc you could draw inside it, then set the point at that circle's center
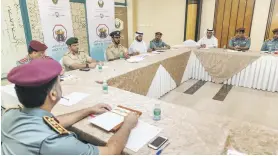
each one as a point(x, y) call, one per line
point(115, 49)
point(272, 44)
point(34, 130)
point(36, 50)
point(75, 58)
point(240, 42)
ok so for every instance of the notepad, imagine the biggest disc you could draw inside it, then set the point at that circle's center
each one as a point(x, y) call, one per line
point(73, 98)
point(9, 89)
point(135, 59)
point(142, 134)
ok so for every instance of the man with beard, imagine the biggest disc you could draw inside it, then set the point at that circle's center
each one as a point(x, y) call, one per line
point(115, 50)
point(209, 40)
point(240, 42)
point(33, 129)
point(75, 58)
point(272, 44)
point(138, 46)
point(157, 43)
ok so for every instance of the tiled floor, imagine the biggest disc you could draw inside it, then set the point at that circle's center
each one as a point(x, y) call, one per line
point(241, 103)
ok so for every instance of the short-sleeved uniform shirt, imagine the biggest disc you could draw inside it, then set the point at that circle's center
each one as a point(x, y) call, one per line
point(241, 42)
point(113, 51)
point(273, 44)
point(27, 59)
point(157, 44)
point(80, 58)
point(24, 132)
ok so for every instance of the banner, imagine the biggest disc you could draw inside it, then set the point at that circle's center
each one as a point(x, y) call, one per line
point(56, 26)
point(100, 17)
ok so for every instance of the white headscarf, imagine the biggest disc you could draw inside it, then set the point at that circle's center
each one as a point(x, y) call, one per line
point(138, 46)
point(209, 42)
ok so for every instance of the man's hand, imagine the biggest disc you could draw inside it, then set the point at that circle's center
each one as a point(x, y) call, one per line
point(137, 53)
point(203, 46)
point(126, 55)
point(92, 65)
point(131, 120)
point(100, 108)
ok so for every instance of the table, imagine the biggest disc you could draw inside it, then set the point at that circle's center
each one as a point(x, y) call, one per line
point(190, 131)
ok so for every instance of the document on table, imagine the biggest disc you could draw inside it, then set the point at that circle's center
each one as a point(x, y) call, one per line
point(135, 59)
point(9, 89)
point(67, 77)
point(107, 121)
point(142, 134)
point(73, 98)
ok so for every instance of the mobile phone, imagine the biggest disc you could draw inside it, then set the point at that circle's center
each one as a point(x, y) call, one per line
point(157, 142)
point(85, 69)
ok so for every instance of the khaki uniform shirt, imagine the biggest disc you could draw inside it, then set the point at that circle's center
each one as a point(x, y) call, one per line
point(80, 58)
point(114, 52)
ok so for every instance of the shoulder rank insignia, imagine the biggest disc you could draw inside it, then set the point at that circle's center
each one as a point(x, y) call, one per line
point(51, 122)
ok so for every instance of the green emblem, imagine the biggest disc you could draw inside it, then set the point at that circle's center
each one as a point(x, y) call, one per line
point(100, 3)
point(55, 1)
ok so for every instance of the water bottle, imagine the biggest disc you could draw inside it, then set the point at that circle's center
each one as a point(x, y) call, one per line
point(105, 87)
point(157, 112)
point(100, 68)
point(121, 55)
point(270, 48)
point(224, 47)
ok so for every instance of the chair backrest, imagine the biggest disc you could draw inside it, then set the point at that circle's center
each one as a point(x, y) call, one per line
point(190, 43)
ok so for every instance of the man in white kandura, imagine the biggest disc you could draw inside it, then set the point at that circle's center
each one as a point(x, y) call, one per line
point(209, 40)
point(138, 46)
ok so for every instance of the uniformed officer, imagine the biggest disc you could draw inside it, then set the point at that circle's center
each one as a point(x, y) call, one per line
point(115, 50)
point(36, 50)
point(34, 130)
point(272, 44)
point(75, 58)
point(240, 42)
point(157, 43)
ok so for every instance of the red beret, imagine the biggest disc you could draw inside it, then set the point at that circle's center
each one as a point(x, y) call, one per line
point(35, 73)
point(37, 45)
point(275, 30)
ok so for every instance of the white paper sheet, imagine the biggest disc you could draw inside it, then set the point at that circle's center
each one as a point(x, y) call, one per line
point(142, 134)
point(156, 52)
point(107, 120)
point(135, 59)
point(73, 98)
point(67, 77)
point(9, 89)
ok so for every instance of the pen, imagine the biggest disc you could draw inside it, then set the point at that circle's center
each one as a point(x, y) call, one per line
point(161, 149)
point(65, 98)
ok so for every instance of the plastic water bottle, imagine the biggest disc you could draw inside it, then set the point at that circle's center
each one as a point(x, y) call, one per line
point(121, 55)
point(105, 87)
point(224, 48)
point(100, 68)
point(157, 112)
point(270, 48)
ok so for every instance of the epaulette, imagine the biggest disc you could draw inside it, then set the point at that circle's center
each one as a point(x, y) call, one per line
point(52, 123)
point(47, 57)
point(24, 60)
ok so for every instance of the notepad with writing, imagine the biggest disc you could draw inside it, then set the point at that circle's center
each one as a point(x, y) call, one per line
point(111, 121)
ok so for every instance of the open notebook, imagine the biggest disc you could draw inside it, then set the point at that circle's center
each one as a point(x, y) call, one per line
point(111, 121)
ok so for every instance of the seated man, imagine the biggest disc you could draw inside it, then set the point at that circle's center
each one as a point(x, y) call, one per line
point(272, 44)
point(157, 43)
point(34, 130)
point(209, 40)
point(76, 59)
point(36, 50)
point(240, 42)
point(138, 45)
point(115, 50)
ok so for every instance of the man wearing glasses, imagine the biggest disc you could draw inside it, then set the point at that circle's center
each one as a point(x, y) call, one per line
point(116, 50)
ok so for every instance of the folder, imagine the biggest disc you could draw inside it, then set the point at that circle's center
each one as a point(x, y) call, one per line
point(112, 121)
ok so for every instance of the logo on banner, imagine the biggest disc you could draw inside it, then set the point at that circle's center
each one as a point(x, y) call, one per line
point(100, 3)
point(119, 24)
point(55, 1)
point(59, 33)
point(102, 31)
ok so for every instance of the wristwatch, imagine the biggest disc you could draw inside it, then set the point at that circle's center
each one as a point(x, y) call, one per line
point(87, 65)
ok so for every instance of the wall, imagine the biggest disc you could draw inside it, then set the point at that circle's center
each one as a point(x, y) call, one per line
point(161, 15)
point(207, 16)
point(258, 24)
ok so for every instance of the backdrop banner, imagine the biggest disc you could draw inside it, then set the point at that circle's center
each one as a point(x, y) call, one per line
point(100, 17)
point(56, 26)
